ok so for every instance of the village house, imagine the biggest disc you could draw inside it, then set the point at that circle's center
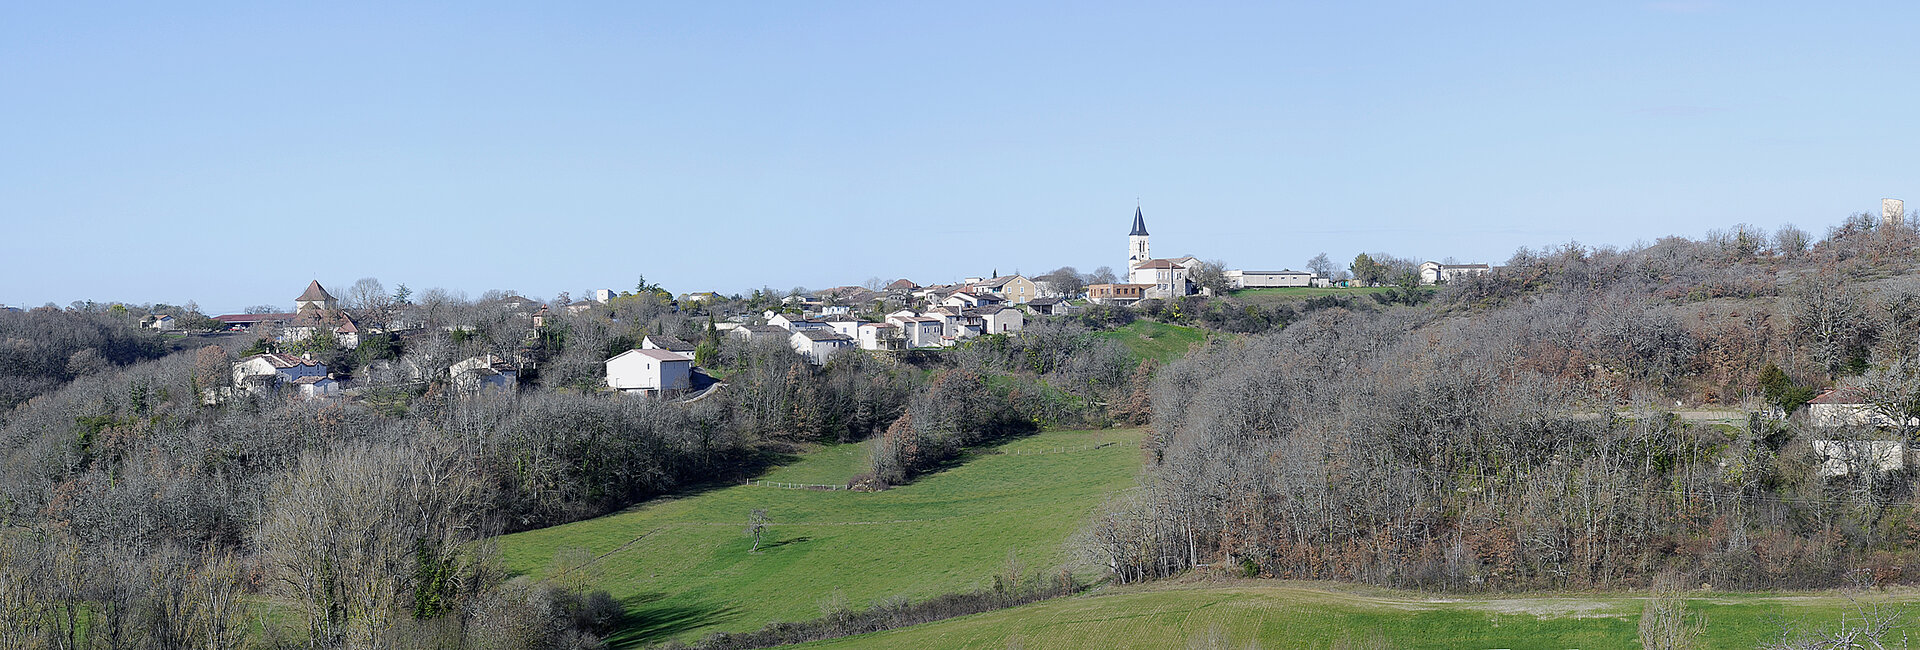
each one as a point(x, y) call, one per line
point(484, 372)
point(262, 373)
point(669, 343)
point(757, 332)
point(916, 330)
point(1016, 289)
point(969, 299)
point(1001, 319)
point(649, 371)
point(1843, 457)
point(1116, 294)
point(1267, 279)
point(163, 322)
point(1847, 407)
point(818, 345)
point(1437, 273)
point(704, 296)
point(315, 387)
point(880, 336)
point(1049, 306)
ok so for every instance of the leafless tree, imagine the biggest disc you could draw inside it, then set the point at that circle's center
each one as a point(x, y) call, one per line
point(1664, 623)
point(369, 302)
point(757, 523)
point(1102, 275)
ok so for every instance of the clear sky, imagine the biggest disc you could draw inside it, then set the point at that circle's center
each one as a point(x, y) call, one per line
point(229, 153)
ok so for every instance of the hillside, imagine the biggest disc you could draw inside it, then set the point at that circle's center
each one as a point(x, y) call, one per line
point(1327, 615)
point(682, 569)
point(1160, 342)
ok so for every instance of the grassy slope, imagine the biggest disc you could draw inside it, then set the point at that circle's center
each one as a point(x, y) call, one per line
point(691, 573)
point(1310, 615)
point(1159, 341)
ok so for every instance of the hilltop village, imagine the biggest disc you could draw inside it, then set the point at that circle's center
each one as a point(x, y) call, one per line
point(293, 347)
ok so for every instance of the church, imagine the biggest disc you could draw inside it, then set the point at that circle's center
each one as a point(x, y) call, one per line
point(1158, 278)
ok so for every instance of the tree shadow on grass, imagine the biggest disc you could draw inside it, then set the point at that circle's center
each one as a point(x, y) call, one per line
point(649, 621)
point(784, 542)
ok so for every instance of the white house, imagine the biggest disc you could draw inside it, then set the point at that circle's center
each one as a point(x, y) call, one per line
point(1847, 407)
point(819, 344)
point(756, 332)
point(1167, 277)
point(669, 343)
point(880, 336)
point(918, 331)
point(835, 310)
point(649, 370)
point(789, 323)
point(843, 324)
point(602, 296)
point(1001, 320)
point(262, 372)
point(969, 300)
point(1437, 273)
point(315, 387)
point(484, 372)
point(1264, 279)
point(163, 322)
point(1842, 457)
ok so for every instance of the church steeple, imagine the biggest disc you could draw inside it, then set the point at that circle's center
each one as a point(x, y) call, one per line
point(1137, 241)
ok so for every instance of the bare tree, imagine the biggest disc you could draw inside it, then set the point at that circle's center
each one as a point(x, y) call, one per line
point(1322, 266)
point(1210, 276)
point(1065, 280)
point(1102, 275)
point(1791, 241)
point(370, 303)
point(1663, 620)
point(1828, 315)
point(756, 526)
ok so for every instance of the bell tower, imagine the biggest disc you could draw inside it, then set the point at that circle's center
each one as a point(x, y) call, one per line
point(1137, 241)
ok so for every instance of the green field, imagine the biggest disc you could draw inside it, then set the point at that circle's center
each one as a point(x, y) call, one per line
point(1158, 341)
point(682, 567)
point(1278, 614)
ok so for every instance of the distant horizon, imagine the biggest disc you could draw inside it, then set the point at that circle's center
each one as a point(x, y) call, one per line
point(230, 153)
point(338, 286)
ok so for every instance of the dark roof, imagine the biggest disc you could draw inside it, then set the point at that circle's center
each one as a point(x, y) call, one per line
point(314, 292)
point(823, 335)
point(1139, 224)
point(1840, 396)
point(673, 343)
point(253, 318)
point(1042, 302)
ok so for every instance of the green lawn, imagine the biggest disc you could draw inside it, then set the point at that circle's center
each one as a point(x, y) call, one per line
point(1320, 615)
point(1159, 341)
point(682, 568)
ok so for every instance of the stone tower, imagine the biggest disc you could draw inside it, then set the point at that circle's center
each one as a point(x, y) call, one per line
point(1892, 212)
point(316, 297)
point(1137, 241)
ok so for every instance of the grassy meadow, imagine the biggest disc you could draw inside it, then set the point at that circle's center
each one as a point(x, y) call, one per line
point(682, 568)
point(1276, 614)
point(1161, 342)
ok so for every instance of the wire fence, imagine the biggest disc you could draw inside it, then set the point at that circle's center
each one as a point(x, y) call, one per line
point(795, 486)
point(1051, 450)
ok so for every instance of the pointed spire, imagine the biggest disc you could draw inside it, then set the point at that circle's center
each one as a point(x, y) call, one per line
point(1139, 223)
point(314, 292)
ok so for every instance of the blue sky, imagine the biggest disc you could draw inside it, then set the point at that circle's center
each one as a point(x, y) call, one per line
point(229, 153)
